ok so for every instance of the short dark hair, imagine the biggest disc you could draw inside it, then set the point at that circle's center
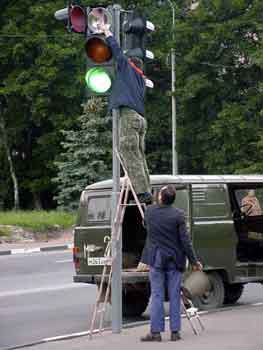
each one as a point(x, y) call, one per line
point(137, 61)
point(168, 194)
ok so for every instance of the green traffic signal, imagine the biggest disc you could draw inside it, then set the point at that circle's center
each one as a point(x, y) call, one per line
point(98, 80)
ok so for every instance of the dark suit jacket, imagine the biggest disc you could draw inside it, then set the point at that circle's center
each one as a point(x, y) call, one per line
point(166, 231)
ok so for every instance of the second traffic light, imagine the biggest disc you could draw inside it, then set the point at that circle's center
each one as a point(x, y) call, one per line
point(134, 34)
point(100, 63)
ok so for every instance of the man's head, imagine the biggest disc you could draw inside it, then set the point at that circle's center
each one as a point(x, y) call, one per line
point(167, 195)
point(137, 61)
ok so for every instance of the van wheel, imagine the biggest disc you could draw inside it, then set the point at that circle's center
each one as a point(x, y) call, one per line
point(134, 302)
point(232, 293)
point(213, 298)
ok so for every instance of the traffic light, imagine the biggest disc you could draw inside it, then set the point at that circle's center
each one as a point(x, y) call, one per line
point(76, 17)
point(100, 62)
point(134, 30)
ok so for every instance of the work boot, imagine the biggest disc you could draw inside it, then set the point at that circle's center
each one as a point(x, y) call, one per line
point(175, 336)
point(152, 337)
point(145, 197)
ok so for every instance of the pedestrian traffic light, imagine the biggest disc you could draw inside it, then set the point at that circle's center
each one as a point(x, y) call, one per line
point(135, 28)
point(100, 62)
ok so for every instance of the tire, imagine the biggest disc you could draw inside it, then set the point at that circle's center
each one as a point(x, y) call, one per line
point(134, 301)
point(215, 297)
point(232, 293)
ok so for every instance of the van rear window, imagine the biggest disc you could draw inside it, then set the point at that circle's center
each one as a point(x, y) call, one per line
point(99, 209)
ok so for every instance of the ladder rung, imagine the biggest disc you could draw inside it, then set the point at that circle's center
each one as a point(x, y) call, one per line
point(130, 205)
point(101, 310)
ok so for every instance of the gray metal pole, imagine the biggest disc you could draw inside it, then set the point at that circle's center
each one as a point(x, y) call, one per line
point(116, 282)
point(173, 82)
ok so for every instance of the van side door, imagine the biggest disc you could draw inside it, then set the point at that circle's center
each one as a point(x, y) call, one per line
point(213, 228)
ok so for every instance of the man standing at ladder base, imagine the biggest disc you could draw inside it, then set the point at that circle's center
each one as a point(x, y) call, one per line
point(128, 95)
point(168, 245)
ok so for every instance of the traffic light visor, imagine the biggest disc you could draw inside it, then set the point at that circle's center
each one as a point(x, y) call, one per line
point(98, 80)
point(97, 50)
point(78, 16)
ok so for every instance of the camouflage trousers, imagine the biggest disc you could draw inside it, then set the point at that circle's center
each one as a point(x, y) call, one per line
point(132, 148)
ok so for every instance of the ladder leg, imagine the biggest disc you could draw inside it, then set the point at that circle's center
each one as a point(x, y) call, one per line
point(189, 317)
point(200, 323)
point(117, 222)
point(106, 300)
point(96, 306)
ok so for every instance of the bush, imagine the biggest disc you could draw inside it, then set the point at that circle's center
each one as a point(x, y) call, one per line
point(38, 220)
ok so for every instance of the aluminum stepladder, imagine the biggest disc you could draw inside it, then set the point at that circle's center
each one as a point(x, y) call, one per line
point(191, 313)
point(106, 276)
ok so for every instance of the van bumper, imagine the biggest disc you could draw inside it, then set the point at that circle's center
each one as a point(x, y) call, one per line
point(127, 277)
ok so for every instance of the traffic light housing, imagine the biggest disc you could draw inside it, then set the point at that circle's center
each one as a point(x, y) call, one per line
point(100, 63)
point(134, 29)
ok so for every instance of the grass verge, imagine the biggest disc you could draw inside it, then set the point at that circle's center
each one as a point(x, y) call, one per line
point(38, 220)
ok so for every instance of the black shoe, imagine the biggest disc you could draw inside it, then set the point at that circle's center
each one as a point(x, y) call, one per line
point(175, 336)
point(145, 197)
point(152, 337)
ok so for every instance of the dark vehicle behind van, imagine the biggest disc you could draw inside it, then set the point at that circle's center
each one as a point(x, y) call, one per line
point(224, 221)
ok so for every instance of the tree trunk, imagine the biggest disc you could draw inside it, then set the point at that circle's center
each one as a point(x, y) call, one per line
point(37, 201)
point(10, 162)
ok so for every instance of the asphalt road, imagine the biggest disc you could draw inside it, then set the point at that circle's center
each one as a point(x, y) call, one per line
point(39, 300)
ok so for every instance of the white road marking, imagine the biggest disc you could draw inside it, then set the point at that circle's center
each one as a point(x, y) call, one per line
point(64, 261)
point(40, 290)
point(25, 250)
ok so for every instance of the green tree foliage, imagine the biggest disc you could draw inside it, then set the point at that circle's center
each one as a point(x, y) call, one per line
point(85, 154)
point(40, 72)
point(219, 48)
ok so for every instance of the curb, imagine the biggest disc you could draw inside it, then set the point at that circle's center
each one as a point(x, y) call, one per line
point(124, 326)
point(36, 250)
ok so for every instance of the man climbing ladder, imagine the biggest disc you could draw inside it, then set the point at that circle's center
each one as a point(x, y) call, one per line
point(128, 95)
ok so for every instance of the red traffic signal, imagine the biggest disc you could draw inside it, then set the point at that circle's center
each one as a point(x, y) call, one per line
point(78, 18)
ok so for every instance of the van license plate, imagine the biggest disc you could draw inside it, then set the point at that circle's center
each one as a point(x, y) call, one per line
point(99, 261)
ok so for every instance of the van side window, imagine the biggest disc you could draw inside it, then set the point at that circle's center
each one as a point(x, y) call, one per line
point(181, 200)
point(250, 201)
point(99, 209)
point(209, 203)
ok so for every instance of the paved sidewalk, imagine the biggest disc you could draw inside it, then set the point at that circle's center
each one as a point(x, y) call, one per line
point(234, 329)
point(63, 242)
